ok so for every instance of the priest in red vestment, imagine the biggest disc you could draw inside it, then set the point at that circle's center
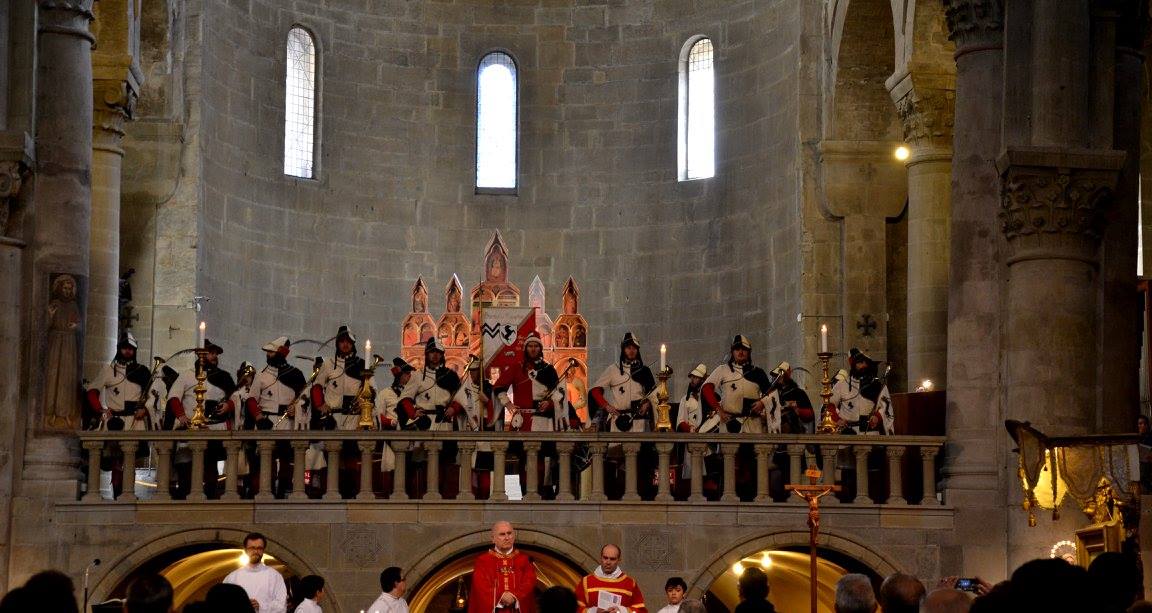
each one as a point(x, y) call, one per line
point(503, 579)
point(619, 588)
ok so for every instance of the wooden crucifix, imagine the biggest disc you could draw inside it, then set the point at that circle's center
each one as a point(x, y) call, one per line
point(812, 492)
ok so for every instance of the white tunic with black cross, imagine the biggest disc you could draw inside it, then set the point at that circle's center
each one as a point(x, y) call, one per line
point(733, 388)
point(339, 377)
point(854, 401)
point(623, 391)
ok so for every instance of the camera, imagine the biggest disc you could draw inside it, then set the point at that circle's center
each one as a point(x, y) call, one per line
point(967, 584)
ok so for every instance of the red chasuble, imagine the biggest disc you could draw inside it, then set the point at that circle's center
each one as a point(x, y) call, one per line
point(587, 593)
point(496, 573)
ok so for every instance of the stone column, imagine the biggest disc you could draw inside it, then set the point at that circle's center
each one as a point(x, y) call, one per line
point(116, 81)
point(976, 449)
point(1119, 302)
point(113, 106)
point(924, 103)
point(1058, 176)
point(60, 239)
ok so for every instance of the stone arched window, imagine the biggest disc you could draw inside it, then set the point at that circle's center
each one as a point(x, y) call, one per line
point(300, 105)
point(697, 133)
point(497, 112)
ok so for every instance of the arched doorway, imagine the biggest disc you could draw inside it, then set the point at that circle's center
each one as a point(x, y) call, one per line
point(788, 571)
point(193, 561)
point(194, 569)
point(445, 588)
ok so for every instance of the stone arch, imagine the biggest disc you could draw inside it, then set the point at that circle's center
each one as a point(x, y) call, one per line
point(122, 567)
point(864, 53)
point(883, 565)
point(460, 544)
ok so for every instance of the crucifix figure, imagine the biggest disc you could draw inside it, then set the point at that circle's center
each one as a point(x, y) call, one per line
point(812, 492)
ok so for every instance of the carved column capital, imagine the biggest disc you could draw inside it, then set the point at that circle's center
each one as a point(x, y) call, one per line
point(1052, 200)
point(926, 104)
point(66, 17)
point(114, 102)
point(974, 22)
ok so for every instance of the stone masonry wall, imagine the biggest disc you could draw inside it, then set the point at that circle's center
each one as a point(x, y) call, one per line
point(687, 263)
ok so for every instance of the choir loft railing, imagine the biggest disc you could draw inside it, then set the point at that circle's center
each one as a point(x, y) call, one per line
point(569, 467)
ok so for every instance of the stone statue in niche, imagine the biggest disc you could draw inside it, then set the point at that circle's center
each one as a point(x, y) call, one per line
point(62, 371)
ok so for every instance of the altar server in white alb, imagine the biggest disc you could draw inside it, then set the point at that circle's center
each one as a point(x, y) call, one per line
point(862, 401)
point(626, 390)
point(264, 585)
point(735, 391)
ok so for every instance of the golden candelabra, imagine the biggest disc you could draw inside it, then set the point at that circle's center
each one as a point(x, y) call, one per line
point(827, 424)
point(663, 410)
point(199, 421)
point(365, 398)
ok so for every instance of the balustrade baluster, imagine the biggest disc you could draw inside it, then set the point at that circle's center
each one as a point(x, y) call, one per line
point(763, 455)
point(697, 450)
point(862, 494)
point(728, 450)
point(367, 448)
point(631, 472)
point(829, 471)
point(433, 490)
point(597, 494)
point(663, 483)
point(299, 455)
point(499, 449)
point(928, 458)
point(95, 454)
point(464, 478)
point(531, 465)
point(196, 483)
point(264, 448)
point(400, 474)
point(795, 470)
point(163, 470)
point(332, 489)
point(231, 453)
point(128, 477)
point(565, 451)
point(895, 475)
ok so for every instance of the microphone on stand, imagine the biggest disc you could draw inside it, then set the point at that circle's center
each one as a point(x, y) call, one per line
point(91, 565)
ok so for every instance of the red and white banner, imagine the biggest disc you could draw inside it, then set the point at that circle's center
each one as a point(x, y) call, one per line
point(502, 334)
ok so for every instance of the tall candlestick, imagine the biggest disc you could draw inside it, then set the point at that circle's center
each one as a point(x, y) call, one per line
point(663, 356)
point(200, 340)
point(367, 349)
point(823, 338)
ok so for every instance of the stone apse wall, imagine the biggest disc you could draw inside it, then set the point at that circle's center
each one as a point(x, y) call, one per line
point(688, 263)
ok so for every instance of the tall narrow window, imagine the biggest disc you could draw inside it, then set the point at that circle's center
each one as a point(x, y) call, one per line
point(496, 112)
point(697, 142)
point(300, 105)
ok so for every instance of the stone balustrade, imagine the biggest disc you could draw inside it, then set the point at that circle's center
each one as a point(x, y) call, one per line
point(591, 468)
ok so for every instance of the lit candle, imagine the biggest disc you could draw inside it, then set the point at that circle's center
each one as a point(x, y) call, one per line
point(663, 356)
point(203, 326)
point(367, 349)
point(823, 338)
